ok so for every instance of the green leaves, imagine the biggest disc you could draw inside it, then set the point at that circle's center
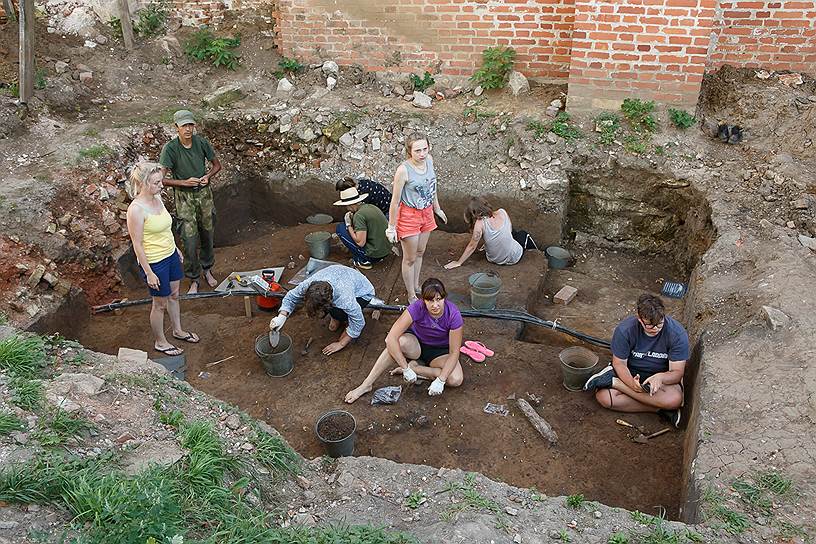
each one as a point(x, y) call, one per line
point(203, 45)
point(497, 63)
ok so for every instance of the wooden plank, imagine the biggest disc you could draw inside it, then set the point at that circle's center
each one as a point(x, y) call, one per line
point(8, 6)
point(127, 25)
point(26, 79)
point(538, 422)
point(248, 307)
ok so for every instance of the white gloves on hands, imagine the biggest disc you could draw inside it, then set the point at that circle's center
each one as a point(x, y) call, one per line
point(409, 375)
point(347, 218)
point(436, 387)
point(277, 322)
point(391, 234)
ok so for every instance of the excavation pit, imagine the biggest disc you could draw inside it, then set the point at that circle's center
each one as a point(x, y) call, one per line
point(452, 430)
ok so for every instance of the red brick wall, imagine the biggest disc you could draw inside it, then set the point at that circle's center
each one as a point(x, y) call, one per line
point(778, 34)
point(648, 48)
point(211, 12)
point(415, 35)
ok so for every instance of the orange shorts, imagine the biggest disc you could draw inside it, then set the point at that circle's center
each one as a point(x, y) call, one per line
point(411, 221)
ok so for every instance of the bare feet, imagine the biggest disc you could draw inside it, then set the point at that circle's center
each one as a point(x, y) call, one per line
point(333, 324)
point(355, 394)
point(211, 281)
point(193, 288)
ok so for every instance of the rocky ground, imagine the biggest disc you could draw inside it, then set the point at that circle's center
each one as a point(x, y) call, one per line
point(750, 300)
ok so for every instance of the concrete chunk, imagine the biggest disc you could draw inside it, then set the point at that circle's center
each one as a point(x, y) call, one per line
point(133, 357)
point(774, 318)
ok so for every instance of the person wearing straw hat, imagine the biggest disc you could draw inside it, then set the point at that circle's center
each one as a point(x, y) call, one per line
point(362, 230)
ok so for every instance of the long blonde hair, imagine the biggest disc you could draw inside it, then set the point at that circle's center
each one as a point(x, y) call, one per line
point(139, 176)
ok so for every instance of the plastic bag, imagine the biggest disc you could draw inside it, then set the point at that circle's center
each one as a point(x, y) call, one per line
point(499, 409)
point(386, 395)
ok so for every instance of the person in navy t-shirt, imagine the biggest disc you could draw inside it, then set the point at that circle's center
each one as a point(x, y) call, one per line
point(649, 354)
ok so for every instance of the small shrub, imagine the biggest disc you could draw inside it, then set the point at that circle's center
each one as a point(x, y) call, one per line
point(9, 423)
point(576, 501)
point(150, 20)
point(39, 79)
point(497, 63)
point(634, 144)
point(174, 418)
point(290, 65)
point(204, 46)
point(539, 128)
point(421, 83)
point(561, 126)
point(608, 124)
point(681, 118)
point(639, 114)
point(618, 538)
point(415, 500)
point(116, 25)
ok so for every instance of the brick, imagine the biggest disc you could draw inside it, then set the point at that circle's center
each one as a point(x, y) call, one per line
point(565, 295)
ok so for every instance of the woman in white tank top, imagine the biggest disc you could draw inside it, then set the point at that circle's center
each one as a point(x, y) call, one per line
point(503, 245)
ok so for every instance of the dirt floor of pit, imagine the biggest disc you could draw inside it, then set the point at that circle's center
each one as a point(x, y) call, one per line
point(452, 430)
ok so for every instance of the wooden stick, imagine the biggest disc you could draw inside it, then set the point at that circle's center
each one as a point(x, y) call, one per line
point(658, 433)
point(219, 362)
point(127, 26)
point(538, 422)
point(26, 57)
point(248, 307)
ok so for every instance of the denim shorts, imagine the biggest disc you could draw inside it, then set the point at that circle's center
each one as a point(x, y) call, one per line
point(168, 269)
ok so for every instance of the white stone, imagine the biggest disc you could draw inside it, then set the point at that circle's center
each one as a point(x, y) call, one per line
point(774, 318)
point(421, 100)
point(518, 83)
point(331, 83)
point(285, 87)
point(478, 90)
point(60, 67)
point(233, 421)
point(375, 144)
point(330, 68)
point(808, 242)
point(86, 77)
point(347, 140)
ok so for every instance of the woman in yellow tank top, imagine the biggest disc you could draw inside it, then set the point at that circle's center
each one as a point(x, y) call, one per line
point(149, 225)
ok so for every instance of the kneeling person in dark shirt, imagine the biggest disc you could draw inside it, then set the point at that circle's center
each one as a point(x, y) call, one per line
point(649, 354)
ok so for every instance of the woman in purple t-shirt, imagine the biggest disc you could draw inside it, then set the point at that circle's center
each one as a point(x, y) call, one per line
point(423, 342)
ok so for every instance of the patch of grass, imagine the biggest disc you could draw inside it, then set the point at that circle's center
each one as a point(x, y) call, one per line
point(576, 501)
point(681, 118)
point(752, 495)
point(415, 500)
point(774, 482)
point(618, 538)
point(203, 45)
point(91, 132)
point(608, 124)
point(40, 80)
point(26, 393)
point(730, 520)
point(12, 89)
point(289, 66)
point(150, 20)
point(174, 418)
point(497, 63)
point(96, 151)
point(639, 114)
point(469, 498)
point(564, 536)
point(10, 423)
point(22, 356)
point(421, 83)
point(561, 126)
point(477, 113)
point(3, 316)
point(274, 453)
point(635, 144)
point(643, 519)
point(789, 531)
point(60, 427)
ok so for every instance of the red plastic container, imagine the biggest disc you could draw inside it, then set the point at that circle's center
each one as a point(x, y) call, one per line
point(269, 304)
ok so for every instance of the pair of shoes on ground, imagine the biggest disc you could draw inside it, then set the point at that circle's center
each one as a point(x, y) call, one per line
point(363, 265)
point(603, 380)
point(173, 351)
point(476, 351)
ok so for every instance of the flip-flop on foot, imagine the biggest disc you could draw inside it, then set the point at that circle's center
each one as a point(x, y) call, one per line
point(172, 351)
point(477, 356)
point(481, 348)
point(189, 337)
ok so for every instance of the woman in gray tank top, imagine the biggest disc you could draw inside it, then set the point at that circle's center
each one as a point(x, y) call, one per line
point(503, 245)
point(413, 205)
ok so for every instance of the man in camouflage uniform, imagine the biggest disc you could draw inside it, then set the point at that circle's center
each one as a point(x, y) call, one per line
point(185, 157)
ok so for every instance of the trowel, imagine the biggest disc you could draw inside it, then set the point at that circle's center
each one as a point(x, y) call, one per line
point(274, 338)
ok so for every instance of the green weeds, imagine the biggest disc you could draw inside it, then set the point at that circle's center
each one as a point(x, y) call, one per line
point(415, 500)
point(639, 114)
point(731, 521)
point(561, 126)
point(477, 113)
point(40, 80)
point(22, 356)
point(174, 418)
point(618, 538)
point(497, 63)
point(275, 454)
point(681, 118)
point(203, 45)
point(421, 83)
point(27, 393)
point(564, 536)
point(59, 428)
point(288, 66)
point(469, 498)
point(96, 151)
point(539, 128)
point(9, 423)
point(608, 124)
point(150, 20)
point(576, 501)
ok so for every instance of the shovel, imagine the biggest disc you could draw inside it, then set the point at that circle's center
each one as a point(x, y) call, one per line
point(644, 439)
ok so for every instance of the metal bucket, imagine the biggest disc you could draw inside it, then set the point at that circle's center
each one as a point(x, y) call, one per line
point(557, 257)
point(340, 446)
point(277, 361)
point(319, 244)
point(577, 365)
point(484, 290)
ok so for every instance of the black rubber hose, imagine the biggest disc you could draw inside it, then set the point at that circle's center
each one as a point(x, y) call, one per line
point(501, 314)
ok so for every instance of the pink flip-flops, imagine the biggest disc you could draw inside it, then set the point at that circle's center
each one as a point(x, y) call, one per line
point(476, 351)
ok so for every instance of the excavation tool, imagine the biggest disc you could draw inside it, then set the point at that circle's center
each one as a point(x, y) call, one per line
point(642, 437)
point(305, 350)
